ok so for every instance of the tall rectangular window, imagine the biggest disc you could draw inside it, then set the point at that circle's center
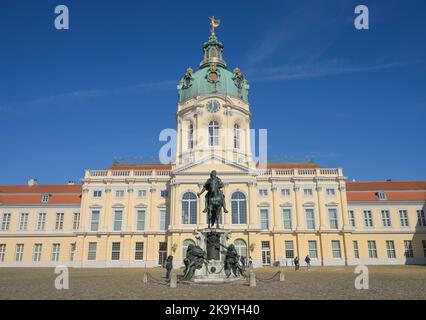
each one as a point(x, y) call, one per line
point(368, 218)
point(139, 251)
point(424, 248)
point(190, 136)
point(141, 193)
point(390, 248)
point(119, 193)
point(41, 221)
point(115, 254)
point(266, 253)
point(23, 221)
point(2, 251)
point(310, 218)
point(332, 218)
point(307, 192)
point(330, 192)
point(351, 214)
point(421, 218)
point(285, 192)
point(287, 221)
point(163, 219)
point(289, 249)
point(403, 214)
point(386, 218)
point(264, 219)
point(73, 248)
point(91, 254)
point(162, 253)
point(59, 224)
point(94, 223)
point(19, 253)
point(313, 250)
point(140, 220)
point(56, 248)
point(118, 220)
point(97, 193)
point(409, 252)
point(335, 245)
point(356, 249)
point(37, 252)
point(76, 221)
point(5, 224)
point(372, 249)
point(263, 192)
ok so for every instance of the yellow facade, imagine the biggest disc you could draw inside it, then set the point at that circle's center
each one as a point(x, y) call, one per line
point(135, 217)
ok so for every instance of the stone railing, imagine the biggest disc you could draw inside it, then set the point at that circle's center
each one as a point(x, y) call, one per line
point(301, 172)
point(126, 173)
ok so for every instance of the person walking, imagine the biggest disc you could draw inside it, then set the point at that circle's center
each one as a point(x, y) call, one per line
point(169, 266)
point(296, 263)
point(250, 263)
point(308, 262)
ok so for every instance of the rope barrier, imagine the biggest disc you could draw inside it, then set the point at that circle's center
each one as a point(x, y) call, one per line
point(156, 281)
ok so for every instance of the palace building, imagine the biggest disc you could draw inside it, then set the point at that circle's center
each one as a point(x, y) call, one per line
point(136, 215)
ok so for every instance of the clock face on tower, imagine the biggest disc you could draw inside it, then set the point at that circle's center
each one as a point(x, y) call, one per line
point(213, 106)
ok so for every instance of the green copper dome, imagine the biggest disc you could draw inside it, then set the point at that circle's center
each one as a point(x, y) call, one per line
point(213, 76)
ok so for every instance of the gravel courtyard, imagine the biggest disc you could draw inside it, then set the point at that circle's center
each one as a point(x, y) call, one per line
point(385, 282)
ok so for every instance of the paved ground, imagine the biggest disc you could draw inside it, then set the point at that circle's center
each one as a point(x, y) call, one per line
point(396, 282)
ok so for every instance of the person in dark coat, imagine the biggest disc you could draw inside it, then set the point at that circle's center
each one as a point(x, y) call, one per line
point(308, 261)
point(169, 266)
point(296, 263)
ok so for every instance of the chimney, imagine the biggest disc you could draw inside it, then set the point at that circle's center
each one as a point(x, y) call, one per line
point(71, 183)
point(32, 182)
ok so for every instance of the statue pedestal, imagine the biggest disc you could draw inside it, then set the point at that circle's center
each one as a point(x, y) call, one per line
point(214, 243)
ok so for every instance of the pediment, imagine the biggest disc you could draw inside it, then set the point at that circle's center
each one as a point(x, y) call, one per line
point(205, 165)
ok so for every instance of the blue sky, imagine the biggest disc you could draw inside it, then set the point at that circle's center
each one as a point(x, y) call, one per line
point(72, 100)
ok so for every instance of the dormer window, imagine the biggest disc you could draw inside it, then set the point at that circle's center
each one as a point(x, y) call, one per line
point(382, 195)
point(45, 198)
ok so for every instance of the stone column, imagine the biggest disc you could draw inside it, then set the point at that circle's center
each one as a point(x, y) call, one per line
point(323, 223)
point(130, 210)
point(253, 214)
point(276, 210)
point(153, 211)
point(299, 208)
point(106, 217)
point(346, 226)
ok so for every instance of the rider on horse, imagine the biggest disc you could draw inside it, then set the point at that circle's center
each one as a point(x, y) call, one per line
point(213, 185)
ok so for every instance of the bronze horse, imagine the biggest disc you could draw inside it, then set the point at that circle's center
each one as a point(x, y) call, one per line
point(214, 209)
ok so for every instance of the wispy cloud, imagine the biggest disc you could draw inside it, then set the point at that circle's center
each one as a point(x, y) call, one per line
point(94, 93)
point(318, 69)
point(305, 32)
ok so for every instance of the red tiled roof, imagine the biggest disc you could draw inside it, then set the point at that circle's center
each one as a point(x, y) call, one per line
point(395, 191)
point(59, 194)
point(385, 185)
point(41, 189)
point(36, 199)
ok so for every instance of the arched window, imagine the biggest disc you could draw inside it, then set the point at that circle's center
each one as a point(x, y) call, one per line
point(189, 208)
point(213, 134)
point(239, 208)
point(236, 136)
point(190, 136)
point(241, 247)
point(185, 245)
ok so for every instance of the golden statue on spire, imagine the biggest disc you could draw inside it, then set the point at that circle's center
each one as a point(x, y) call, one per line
point(214, 23)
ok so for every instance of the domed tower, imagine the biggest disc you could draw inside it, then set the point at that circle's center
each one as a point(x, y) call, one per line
point(213, 117)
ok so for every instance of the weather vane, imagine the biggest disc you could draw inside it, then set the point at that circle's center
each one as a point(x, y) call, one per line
point(214, 23)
